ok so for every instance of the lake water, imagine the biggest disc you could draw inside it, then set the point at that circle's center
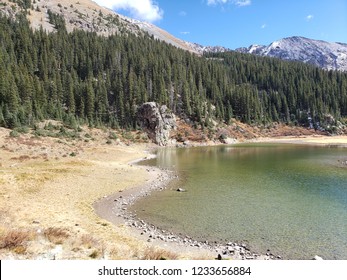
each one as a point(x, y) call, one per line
point(291, 199)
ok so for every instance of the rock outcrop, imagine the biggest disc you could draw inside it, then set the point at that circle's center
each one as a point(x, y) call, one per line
point(157, 121)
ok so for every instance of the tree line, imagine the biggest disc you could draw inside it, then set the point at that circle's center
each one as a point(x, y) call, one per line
point(80, 77)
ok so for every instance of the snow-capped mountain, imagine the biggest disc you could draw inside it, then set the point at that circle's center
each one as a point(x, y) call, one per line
point(201, 49)
point(87, 15)
point(329, 56)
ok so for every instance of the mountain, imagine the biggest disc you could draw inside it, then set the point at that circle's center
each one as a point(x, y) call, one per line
point(329, 56)
point(89, 16)
point(74, 75)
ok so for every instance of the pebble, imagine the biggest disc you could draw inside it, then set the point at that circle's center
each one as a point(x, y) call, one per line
point(120, 207)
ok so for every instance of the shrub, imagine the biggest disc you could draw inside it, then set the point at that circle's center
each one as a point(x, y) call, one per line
point(22, 129)
point(56, 235)
point(14, 239)
point(14, 133)
point(113, 135)
point(158, 254)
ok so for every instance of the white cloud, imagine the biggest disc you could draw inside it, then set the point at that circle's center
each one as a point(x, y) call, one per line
point(239, 3)
point(309, 17)
point(146, 10)
point(185, 32)
point(183, 13)
point(264, 26)
point(242, 3)
point(215, 2)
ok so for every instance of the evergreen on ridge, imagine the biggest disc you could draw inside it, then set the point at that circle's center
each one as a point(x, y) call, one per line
point(81, 77)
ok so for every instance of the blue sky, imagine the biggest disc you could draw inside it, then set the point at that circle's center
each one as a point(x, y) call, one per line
point(240, 23)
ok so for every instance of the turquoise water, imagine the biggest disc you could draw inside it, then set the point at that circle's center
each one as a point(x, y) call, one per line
point(291, 199)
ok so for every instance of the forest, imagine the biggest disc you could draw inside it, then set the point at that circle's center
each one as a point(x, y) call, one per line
point(83, 78)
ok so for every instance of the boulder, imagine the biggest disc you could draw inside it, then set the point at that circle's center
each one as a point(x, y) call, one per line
point(228, 141)
point(157, 121)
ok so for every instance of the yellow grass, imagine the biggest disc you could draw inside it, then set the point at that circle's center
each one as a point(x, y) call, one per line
point(50, 198)
point(55, 195)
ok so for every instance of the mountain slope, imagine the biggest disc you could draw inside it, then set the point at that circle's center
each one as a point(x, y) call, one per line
point(329, 56)
point(89, 16)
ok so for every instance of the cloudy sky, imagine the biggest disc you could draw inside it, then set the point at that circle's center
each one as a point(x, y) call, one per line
point(236, 23)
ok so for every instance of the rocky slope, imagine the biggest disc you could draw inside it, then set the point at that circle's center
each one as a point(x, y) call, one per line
point(89, 16)
point(329, 56)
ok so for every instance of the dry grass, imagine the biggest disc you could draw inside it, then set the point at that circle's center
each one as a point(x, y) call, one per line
point(32, 182)
point(56, 235)
point(89, 241)
point(15, 240)
point(152, 253)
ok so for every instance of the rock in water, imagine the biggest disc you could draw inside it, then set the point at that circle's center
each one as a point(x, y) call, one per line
point(157, 121)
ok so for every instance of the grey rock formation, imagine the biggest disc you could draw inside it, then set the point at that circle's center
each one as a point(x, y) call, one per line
point(157, 121)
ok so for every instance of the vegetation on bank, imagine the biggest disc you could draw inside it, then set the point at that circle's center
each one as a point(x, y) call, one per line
point(82, 78)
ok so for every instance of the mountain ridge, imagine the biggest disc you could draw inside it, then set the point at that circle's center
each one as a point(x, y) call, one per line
point(89, 16)
point(326, 55)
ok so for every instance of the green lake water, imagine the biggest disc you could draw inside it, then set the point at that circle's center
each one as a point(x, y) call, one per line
point(291, 199)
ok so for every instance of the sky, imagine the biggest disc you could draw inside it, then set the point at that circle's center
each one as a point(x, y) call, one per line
point(240, 23)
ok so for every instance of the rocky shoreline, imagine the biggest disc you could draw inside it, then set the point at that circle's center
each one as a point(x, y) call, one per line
point(115, 208)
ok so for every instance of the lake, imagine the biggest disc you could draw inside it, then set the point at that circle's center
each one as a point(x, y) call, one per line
point(291, 199)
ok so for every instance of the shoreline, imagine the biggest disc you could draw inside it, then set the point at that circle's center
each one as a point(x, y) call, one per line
point(114, 208)
point(49, 187)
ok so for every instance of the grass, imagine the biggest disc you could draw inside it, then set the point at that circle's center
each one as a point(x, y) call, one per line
point(15, 240)
point(33, 182)
point(152, 253)
point(56, 235)
point(88, 241)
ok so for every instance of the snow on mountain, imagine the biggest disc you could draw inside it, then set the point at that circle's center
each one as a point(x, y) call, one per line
point(329, 56)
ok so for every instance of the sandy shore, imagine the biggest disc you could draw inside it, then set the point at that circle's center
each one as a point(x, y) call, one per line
point(49, 188)
point(314, 139)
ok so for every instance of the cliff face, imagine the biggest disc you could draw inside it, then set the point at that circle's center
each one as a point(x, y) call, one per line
point(157, 121)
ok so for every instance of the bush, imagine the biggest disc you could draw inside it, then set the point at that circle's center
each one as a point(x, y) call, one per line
point(56, 235)
point(14, 133)
point(158, 254)
point(22, 129)
point(14, 239)
point(113, 135)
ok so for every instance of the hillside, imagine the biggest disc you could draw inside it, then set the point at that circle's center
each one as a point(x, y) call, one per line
point(89, 16)
point(76, 76)
point(329, 56)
